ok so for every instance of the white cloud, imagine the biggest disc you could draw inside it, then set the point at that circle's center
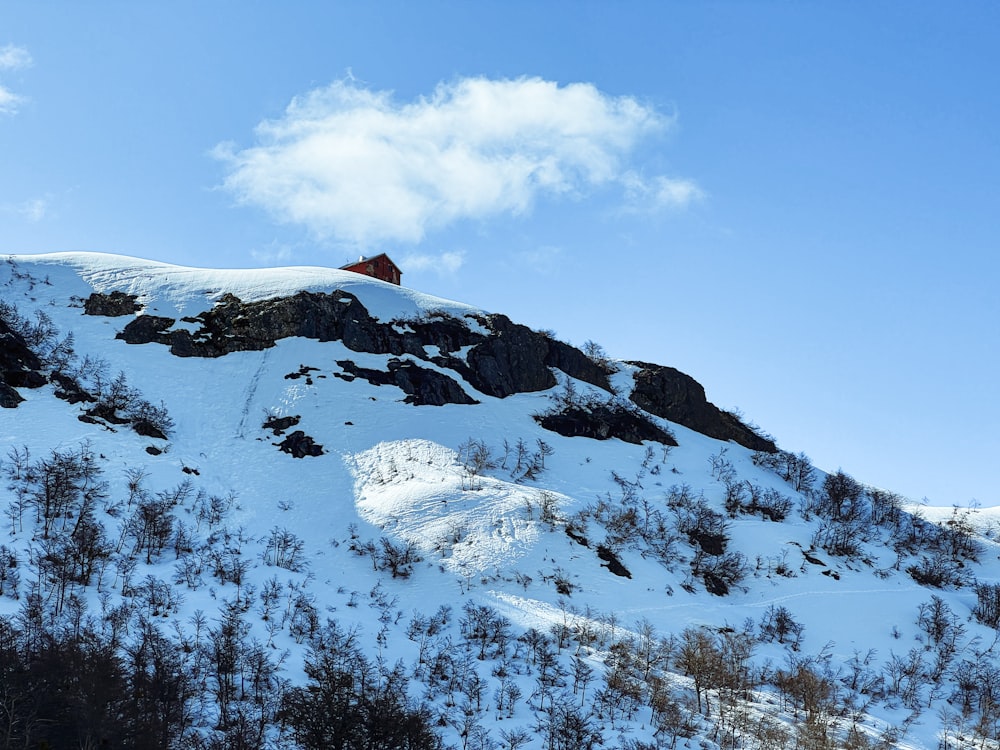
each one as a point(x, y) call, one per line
point(8, 101)
point(444, 263)
point(34, 210)
point(357, 166)
point(659, 193)
point(12, 58)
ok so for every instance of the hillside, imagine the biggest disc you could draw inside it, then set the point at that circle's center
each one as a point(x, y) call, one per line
point(303, 508)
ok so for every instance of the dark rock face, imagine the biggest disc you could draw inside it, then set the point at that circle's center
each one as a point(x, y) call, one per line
point(422, 385)
point(19, 367)
point(515, 359)
point(146, 328)
point(110, 305)
point(670, 394)
point(573, 362)
point(233, 326)
point(602, 422)
point(502, 359)
point(510, 359)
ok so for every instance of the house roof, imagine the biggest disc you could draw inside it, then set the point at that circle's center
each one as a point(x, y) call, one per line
point(368, 259)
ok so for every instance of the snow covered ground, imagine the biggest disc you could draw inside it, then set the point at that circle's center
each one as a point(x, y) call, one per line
point(394, 471)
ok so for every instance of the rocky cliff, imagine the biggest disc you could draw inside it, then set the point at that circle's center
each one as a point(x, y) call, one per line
point(489, 353)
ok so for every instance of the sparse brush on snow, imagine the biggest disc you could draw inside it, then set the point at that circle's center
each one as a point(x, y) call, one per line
point(439, 575)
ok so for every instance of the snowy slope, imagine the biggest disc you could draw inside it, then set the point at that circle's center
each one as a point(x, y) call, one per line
point(393, 483)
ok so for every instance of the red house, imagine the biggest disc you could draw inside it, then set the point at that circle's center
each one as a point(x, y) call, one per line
point(378, 266)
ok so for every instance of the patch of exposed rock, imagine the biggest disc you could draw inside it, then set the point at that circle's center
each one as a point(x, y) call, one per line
point(602, 422)
point(421, 385)
point(278, 425)
point(672, 395)
point(19, 367)
point(611, 562)
point(111, 305)
point(300, 445)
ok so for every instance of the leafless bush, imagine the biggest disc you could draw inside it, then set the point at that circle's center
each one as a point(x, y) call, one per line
point(987, 609)
point(778, 624)
point(284, 550)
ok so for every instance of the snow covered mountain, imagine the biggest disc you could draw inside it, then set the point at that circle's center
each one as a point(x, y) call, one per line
point(304, 508)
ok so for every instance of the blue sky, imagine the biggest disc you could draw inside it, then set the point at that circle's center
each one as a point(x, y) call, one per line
point(796, 203)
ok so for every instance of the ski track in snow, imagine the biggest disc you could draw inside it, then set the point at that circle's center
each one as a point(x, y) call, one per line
point(250, 392)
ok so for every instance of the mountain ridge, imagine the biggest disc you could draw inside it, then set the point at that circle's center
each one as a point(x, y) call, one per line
point(588, 541)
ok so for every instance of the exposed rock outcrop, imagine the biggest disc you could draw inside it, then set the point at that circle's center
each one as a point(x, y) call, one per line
point(9, 398)
point(300, 445)
point(111, 305)
point(19, 367)
point(278, 425)
point(515, 359)
point(602, 422)
point(670, 394)
point(508, 359)
point(421, 385)
point(496, 357)
point(146, 328)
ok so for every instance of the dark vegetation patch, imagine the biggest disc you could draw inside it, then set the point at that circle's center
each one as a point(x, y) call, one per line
point(811, 558)
point(148, 428)
point(576, 536)
point(69, 389)
point(121, 404)
point(300, 445)
point(111, 305)
point(710, 542)
point(715, 584)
